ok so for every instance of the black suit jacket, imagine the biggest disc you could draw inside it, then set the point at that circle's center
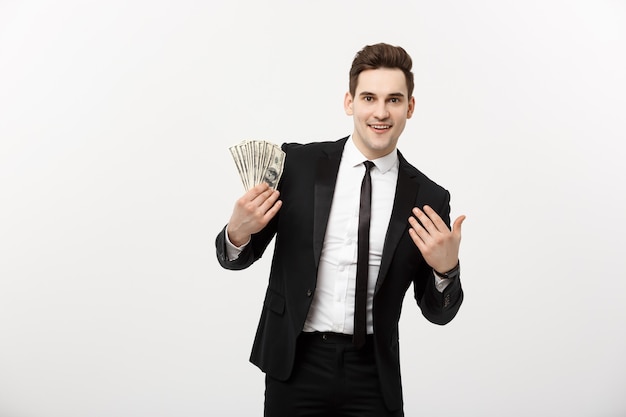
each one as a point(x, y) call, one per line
point(307, 187)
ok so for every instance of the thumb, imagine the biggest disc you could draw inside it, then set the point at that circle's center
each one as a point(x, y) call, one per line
point(456, 227)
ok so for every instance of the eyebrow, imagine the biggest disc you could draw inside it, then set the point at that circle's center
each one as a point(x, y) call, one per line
point(367, 93)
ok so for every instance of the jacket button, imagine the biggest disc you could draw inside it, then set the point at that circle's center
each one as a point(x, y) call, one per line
point(309, 292)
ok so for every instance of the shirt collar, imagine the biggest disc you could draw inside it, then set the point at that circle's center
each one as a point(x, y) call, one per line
point(354, 157)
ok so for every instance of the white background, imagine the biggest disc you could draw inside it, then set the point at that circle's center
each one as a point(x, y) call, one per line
point(115, 177)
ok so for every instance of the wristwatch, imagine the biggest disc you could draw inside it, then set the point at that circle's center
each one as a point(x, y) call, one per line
point(451, 274)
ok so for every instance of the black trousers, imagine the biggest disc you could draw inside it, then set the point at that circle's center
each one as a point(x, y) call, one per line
point(331, 378)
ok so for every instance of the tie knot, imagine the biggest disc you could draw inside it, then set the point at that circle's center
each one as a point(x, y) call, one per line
point(368, 165)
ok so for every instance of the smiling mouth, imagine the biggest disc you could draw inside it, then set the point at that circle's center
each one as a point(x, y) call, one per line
point(380, 127)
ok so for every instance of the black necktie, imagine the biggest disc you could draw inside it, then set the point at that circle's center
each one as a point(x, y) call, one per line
point(362, 262)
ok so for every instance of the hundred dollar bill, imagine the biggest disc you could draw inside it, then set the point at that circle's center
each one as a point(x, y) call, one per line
point(257, 161)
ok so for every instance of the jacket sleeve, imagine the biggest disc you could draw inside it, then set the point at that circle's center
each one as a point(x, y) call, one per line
point(441, 307)
point(251, 252)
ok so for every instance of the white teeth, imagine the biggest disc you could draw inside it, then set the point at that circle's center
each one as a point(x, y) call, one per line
point(380, 126)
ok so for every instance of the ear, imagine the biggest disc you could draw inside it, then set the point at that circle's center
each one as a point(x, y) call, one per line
point(411, 108)
point(347, 104)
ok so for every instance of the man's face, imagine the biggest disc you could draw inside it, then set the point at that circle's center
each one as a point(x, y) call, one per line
point(380, 108)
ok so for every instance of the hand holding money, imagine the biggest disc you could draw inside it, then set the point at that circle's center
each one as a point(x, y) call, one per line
point(252, 212)
point(258, 161)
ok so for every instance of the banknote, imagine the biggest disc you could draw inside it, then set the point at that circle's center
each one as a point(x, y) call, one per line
point(257, 161)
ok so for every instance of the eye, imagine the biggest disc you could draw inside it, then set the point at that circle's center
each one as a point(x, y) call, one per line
point(368, 98)
point(394, 100)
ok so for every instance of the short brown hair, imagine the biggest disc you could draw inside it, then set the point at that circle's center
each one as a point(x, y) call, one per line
point(381, 55)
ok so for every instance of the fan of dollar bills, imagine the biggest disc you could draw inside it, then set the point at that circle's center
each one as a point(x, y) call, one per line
point(258, 160)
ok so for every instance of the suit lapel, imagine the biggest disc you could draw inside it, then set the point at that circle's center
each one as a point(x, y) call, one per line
point(325, 180)
point(406, 192)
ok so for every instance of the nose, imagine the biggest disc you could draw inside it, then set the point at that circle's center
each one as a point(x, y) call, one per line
point(381, 112)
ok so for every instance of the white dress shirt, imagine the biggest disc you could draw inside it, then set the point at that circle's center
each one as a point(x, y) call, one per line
point(332, 307)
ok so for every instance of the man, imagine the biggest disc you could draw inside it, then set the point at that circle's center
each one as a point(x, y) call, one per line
point(310, 340)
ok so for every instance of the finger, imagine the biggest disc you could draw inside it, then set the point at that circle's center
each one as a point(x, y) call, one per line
point(420, 233)
point(256, 191)
point(436, 219)
point(262, 198)
point(270, 199)
point(416, 239)
point(427, 224)
point(269, 214)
